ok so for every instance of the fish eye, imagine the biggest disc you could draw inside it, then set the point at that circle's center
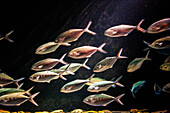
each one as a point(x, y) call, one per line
point(165, 67)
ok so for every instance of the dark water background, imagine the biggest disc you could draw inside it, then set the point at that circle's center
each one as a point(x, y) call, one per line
point(40, 21)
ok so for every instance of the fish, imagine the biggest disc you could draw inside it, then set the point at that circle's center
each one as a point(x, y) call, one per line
point(47, 63)
point(166, 88)
point(47, 76)
point(137, 63)
point(85, 51)
point(108, 62)
point(5, 80)
point(161, 43)
point(49, 48)
point(6, 37)
point(157, 89)
point(75, 85)
point(94, 80)
point(16, 99)
point(159, 26)
point(103, 85)
point(102, 99)
point(77, 111)
point(75, 66)
point(136, 86)
point(5, 91)
point(166, 65)
point(73, 34)
point(123, 30)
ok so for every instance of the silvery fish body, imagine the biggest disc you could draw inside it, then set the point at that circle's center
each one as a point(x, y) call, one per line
point(100, 86)
point(47, 48)
point(102, 99)
point(166, 88)
point(137, 63)
point(4, 91)
point(47, 63)
point(85, 51)
point(44, 76)
point(5, 80)
point(166, 65)
point(122, 30)
point(94, 80)
point(73, 86)
point(73, 34)
point(16, 99)
point(159, 26)
point(108, 62)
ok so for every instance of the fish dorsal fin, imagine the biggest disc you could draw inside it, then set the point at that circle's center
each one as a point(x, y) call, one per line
point(5, 76)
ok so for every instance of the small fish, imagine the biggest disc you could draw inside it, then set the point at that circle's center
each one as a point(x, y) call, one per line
point(166, 65)
point(75, 66)
point(73, 34)
point(94, 80)
point(162, 43)
point(75, 85)
point(85, 51)
point(16, 99)
point(136, 86)
point(5, 80)
point(157, 89)
point(102, 99)
point(137, 63)
point(47, 63)
point(6, 37)
point(4, 91)
point(123, 30)
point(103, 85)
point(108, 62)
point(159, 26)
point(48, 48)
point(166, 88)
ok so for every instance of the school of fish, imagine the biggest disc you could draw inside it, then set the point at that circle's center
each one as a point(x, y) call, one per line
point(47, 72)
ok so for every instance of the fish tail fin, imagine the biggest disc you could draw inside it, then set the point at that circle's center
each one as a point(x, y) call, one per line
point(87, 29)
point(16, 81)
point(84, 64)
point(32, 97)
point(66, 70)
point(139, 28)
point(117, 82)
point(28, 91)
point(61, 59)
point(146, 57)
point(6, 36)
point(20, 85)
point(118, 99)
point(119, 54)
point(91, 77)
point(100, 48)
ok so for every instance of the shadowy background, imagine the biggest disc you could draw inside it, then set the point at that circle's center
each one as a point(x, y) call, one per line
point(41, 21)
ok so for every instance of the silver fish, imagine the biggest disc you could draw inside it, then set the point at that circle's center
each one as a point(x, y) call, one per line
point(159, 26)
point(49, 47)
point(123, 30)
point(73, 34)
point(137, 63)
point(5, 80)
point(104, 85)
point(47, 76)
point(136, 86)
point(6, 37)
point(75, 85)
point(85, 51)
point(16, 99)
point(102, 99)
point(108, 62)
point(47, 63)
